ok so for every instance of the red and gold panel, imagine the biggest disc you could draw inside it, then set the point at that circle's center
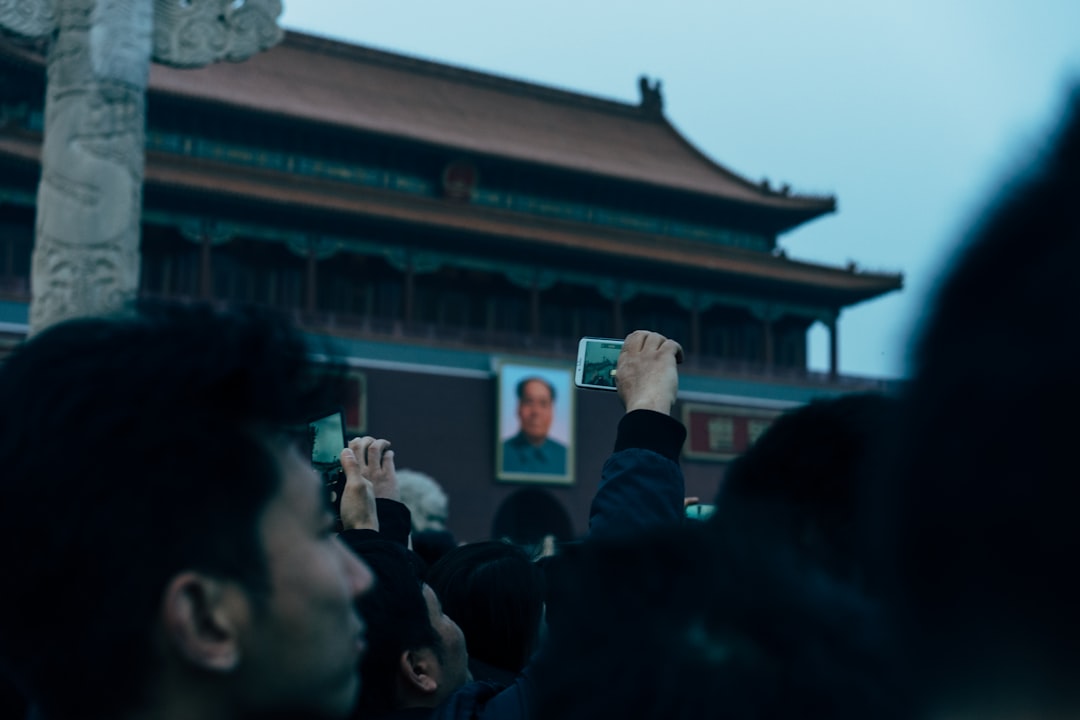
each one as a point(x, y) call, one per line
point(721, 432)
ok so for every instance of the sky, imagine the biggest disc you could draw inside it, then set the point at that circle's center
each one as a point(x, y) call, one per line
point(913, 113)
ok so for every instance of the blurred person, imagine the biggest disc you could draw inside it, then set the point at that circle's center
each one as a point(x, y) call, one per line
point(177, 557)
point(495, 593)
point(531, 450)
point(688, 622)
point(979, 517)
point(433, 545)
point(426, 500)
point(802, 482)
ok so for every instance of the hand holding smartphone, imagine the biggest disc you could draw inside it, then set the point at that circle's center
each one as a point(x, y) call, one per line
point(597, 359)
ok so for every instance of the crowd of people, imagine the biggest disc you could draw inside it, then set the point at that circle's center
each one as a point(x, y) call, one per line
point(870, 556)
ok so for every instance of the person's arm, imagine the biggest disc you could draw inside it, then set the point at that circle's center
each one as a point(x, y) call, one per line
point(371, 501)
point(642, 484)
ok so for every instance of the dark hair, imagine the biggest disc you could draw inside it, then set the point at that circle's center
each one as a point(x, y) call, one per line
point(132, 448)
point(397, 620)
point(432, 545)
point(535, 378)
point(495, 593)
point(803, 480)
point(981, 505)
point(693, 625)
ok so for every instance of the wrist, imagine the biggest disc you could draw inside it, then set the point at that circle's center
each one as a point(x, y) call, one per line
point(656, 404)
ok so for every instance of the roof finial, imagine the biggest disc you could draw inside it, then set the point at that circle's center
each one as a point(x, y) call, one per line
point(651, 99)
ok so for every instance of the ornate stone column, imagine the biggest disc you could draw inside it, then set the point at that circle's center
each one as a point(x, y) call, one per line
point(86, 250)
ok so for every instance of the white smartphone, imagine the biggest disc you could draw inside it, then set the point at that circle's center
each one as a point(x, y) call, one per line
point(596, 360)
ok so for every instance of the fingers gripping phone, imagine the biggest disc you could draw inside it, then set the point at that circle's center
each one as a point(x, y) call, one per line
point(327, 437)
point(596, 362)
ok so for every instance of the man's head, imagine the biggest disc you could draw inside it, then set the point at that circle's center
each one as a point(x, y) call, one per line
point(160, 536)
point(802, 481)
point(536, 401)
point(496, 594)
point(416, 654)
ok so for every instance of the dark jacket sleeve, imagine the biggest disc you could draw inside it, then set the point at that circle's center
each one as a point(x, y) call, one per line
point(395, 524)
point(641, 485)
point(395, 520)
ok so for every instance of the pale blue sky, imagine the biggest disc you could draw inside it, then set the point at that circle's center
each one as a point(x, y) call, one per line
point(912, 113)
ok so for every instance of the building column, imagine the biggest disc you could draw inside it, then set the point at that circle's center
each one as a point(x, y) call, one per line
point(695, 303)
point(768, 342)
point(767, 315)
point(9, 259)
point(410, 281)
point(617, 312)
point(206, 268)
point(695, 332)
point(534, 307)
point(206, 234)
point(310, 281)
point(834, 343)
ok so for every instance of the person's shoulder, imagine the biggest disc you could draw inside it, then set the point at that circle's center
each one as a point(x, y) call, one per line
point(474, 700)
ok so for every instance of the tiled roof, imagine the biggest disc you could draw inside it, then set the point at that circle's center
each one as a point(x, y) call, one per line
point(363, 89)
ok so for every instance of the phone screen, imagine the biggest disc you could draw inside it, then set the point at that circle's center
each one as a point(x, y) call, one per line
point(596, 361)
point(326, 437)
point(700, 512)
point(327, 441)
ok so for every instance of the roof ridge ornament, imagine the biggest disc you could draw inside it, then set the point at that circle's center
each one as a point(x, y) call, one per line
point(652, 101)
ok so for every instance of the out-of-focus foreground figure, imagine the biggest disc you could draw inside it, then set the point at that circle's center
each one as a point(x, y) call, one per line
point(167, 551)
point(983, 500)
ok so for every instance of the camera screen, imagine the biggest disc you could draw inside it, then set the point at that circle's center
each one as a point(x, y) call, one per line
point(327, 441)
point(600, 359)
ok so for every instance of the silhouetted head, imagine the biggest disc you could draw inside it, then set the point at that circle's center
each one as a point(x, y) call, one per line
point(802, 482)
point(982, 503)
point(688, 622)
point(496, 594)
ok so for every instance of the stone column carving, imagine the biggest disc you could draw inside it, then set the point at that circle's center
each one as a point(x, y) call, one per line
point(86, 249)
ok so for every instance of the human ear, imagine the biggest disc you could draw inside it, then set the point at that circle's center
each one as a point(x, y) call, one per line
point(202, 618)
point(420, 669)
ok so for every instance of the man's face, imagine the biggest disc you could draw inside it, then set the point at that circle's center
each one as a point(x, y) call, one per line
point(454, 657)
point(305, 638)
point(535, 410)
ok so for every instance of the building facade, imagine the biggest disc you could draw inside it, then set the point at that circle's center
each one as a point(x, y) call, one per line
point(429, 225)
